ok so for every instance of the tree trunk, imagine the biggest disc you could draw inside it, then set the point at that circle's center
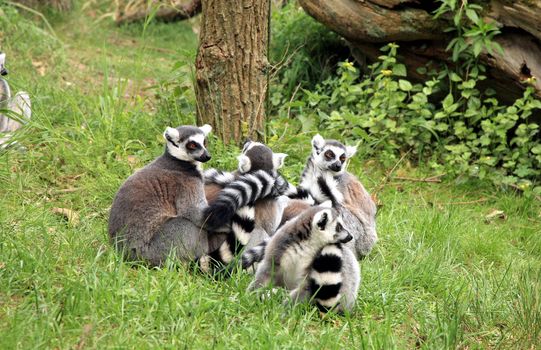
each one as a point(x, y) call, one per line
point(369, 24)
point(231, 68)
point(172, 10)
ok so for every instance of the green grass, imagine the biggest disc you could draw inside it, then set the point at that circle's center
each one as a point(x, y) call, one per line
point(440, 277)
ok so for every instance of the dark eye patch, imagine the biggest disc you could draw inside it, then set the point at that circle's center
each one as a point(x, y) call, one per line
point(192, 146)
point(339, 227)
point(329, 155)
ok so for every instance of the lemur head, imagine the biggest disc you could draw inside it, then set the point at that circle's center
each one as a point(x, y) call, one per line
point(330, 155)
point(327, 225)
point(257, 156)
point(188, 143)
point(3, 70)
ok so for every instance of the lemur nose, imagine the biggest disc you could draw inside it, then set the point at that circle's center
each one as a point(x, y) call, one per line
point(336, 166)
point(3, 71)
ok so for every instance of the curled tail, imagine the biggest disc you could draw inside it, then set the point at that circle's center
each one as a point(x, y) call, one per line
point(254, 255)
point(239, 193)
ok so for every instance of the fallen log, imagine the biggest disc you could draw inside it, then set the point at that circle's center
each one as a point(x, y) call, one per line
point(369, 24)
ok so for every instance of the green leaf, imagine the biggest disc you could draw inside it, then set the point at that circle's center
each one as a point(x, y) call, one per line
point(536, 149)
point(455, 77)
point(405, 85)
point(448, 101)
point(477, 47)
point(472, 15)
point(399, 70)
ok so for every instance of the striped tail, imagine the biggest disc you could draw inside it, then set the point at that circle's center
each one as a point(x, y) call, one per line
point(325, 278)
point(239, 193)
point(301, 194)
point(214, 176)
point(254, 255)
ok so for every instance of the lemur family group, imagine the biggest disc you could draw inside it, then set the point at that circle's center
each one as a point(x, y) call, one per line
point(307, 239)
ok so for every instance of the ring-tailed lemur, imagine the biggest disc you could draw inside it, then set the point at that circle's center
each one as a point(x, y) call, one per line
point(333, 278)
point(325, 178)
point(18, 106)
point(157, 211)
point(257, 184)
point(304, 256)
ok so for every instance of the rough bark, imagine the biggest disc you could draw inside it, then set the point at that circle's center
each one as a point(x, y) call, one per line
point(231, 67)
point(138, 10)
point(369, 24)
point(369, 21)
point(523, 14)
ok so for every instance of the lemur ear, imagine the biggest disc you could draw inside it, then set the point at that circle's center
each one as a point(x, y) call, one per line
point(244, 163)
point(278, 160)
point(322, 218)
point(326, 204)
point(246, 144)
point(318, 142)
point(206, 129)
point(171, 134)
point(350, 151)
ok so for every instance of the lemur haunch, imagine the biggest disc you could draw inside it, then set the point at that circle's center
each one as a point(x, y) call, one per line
point(303, 257)
point(324, 178)
point(259, 218)
point(157, 211)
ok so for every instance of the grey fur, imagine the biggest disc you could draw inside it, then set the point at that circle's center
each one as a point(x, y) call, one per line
point(157, 211)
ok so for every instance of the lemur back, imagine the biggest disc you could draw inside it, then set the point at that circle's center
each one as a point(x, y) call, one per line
point(257, 184)
point(157, 211)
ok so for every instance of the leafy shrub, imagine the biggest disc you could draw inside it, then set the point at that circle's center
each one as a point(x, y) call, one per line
point(468, 132)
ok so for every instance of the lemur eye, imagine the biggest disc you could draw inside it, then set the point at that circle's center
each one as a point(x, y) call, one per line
point(339, 227)
point(191, 145)
point(343, 158)
point(205, 143)
point(329, 155)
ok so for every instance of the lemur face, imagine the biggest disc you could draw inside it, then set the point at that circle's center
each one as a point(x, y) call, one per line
point(3, 70)
point(257, 156)
point(331, 155)
point(188, 143)
point(329, 227)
